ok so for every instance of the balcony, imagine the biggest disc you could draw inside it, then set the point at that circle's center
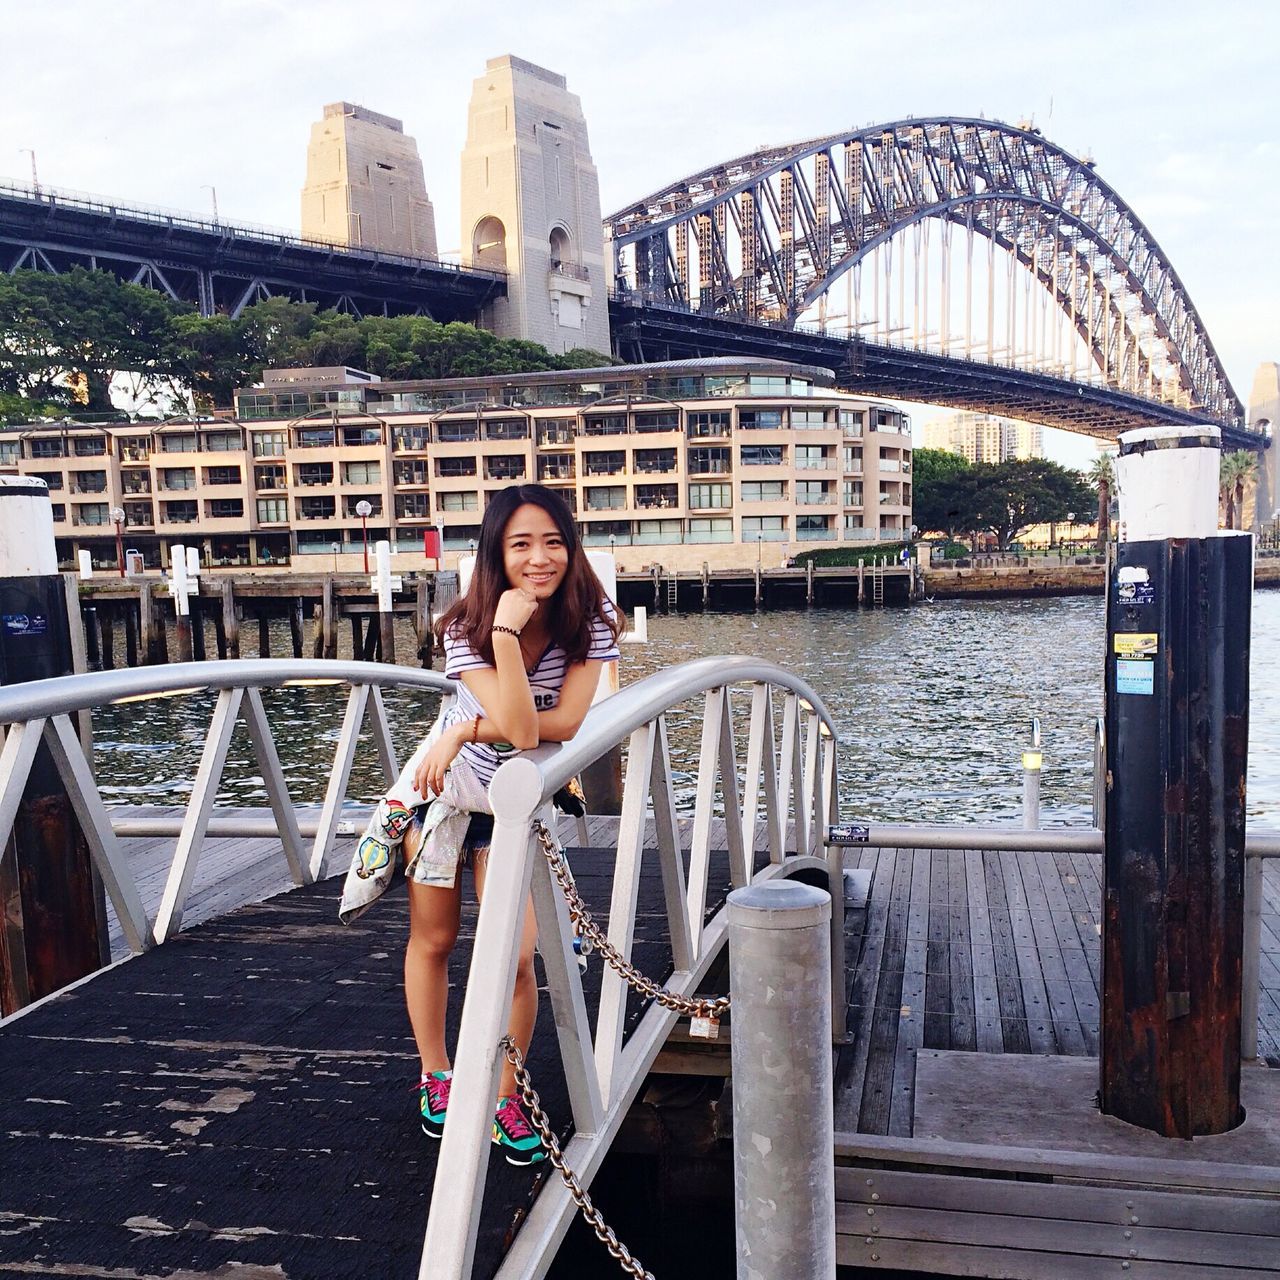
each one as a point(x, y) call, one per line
point(135, 453)
point(568, 271)
point(555, 435)
point(815, 535)
point(816, 464)
point(814, 499)
point(137, 484)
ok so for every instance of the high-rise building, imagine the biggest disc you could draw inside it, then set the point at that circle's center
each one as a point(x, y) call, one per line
point(984, 437)
point(531, 207)
point(364, 186)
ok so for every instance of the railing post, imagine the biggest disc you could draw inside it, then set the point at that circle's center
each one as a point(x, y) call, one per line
point(783, 1129)
point(449, 1248)
point(1251, 945)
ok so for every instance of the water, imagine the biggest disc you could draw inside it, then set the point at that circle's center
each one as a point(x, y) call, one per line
point(933, 705)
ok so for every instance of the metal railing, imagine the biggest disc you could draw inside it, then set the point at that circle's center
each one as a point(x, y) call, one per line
point(791, 780)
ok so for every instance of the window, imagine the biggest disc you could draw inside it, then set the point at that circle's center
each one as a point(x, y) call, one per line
point(178, 443)
point(221, 441)
point(853, 459)
point(271, 477)
point(222, 475)
point(268, 444)
point(657, 495)
point(412, 506)
point(350, 501)
point(605, 497)
point(178, 478)
point(555, 433)
point(702, 496)
point(853, 422)
point(226, 508)
point(607, 424)
point(667, 420)
point(91, 513)
point(317, 508)
point(764, 528)
point(314, 473)
point(709, 424)
point(599, 533)
point(814, 529)
point(709, 461)
point(853, 493)
point(764, 491)
point(812, 492)
point(92, 447)
point(458, 537)
point(892, 420)
point(812, 457)
point(468, 500)
point(179, 512)
point(273, 510)
point(47, 449)
point(88, 482)
point(759, 385)
point(556, 466)
point(655, 461)
point(136, 482)
point(9, 452)
point(761, 419)
point(853, 526)
point(654, 531)
point(137, 450)
point(455, 466)
point(605, 464)
point(506, 429)
point(139, 514)
point(456, 432)
point(762, 455)
point(413, 472)
point(362, 473)
point(504, 467)
point(59, 512)
point(411, 439)
point(710, 529)
point(810, 419)
point(361, 435)
point(52, 478)
point(315, 437)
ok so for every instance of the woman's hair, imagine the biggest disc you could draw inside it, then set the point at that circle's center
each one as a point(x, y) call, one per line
point(578, 600)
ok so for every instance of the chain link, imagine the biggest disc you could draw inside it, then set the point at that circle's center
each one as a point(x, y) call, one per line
point(582, 1198)
point(594, 937)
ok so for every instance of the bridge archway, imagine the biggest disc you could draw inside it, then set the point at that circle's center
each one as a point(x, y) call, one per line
point(766, 238)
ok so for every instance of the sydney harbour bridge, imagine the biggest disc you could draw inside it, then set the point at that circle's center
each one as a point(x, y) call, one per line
point(958, 262)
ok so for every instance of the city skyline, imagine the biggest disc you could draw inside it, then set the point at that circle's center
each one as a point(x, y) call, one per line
point(1174, 156)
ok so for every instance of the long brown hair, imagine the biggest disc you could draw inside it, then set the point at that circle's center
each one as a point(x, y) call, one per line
point(579, 599)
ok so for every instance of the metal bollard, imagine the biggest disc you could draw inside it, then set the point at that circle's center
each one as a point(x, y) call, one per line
point(783, 1122)
point(1032, 760)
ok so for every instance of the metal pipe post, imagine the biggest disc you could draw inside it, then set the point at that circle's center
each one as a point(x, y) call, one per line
point(1032, 760)
point(783, 1128)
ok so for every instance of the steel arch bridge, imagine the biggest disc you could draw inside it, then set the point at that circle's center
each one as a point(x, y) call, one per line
point(763, 238)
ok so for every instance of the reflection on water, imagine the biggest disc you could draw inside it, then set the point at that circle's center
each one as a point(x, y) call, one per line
point(933, 706)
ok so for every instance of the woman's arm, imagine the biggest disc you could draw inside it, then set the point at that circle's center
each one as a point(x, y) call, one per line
point(503, 689)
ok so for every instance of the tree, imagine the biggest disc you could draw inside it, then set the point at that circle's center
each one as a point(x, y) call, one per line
point(1009, 497)
point(1235, 472)
point(1102, 475)
point(940, 492)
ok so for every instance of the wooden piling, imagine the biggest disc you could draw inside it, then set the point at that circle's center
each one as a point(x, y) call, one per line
point(759, 588)
point(328, 619)
point(808, 582)
point(264, 636)
point(372, 635)
point(91, 636)
point(161, 631)
point(130, 635)
point(317, 633)
point(386, 636)
point(230, 620)
point(296, 629)
point(147, 623)
point(219, 635)
point(357, 641)
point(422, 621)
point(862, 593)
point(197, 630)
point(107, 623)
point(706, 586)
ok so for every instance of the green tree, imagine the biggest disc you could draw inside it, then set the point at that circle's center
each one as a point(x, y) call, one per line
point(1102, 475)
point(1010, 497)
point(940, 499)
point(1236, 471)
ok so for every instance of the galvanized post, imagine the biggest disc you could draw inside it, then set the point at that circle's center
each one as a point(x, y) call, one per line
point(1032, 759)
point(783, 1127)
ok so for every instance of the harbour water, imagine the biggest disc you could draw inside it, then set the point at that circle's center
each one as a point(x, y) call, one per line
point(934, 704)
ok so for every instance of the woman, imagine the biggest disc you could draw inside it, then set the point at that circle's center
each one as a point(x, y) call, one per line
point(526, 645)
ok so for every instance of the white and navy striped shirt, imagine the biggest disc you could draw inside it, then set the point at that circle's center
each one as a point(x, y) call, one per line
point(545, 683)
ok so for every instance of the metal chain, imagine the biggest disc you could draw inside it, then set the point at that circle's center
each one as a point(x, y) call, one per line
point(582, 1198)
point(582, 921)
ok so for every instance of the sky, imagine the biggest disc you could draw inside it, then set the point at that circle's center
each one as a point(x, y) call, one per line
point(156, 103)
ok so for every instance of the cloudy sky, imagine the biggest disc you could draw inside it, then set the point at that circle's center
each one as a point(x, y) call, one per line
point(154, 102)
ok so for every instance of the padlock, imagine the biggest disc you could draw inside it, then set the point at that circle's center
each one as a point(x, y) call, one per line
point(704, 1027)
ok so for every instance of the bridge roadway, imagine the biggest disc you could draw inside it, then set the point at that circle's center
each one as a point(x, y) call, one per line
point(239, 1100)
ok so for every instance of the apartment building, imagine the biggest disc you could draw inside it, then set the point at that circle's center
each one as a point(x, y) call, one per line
point(725, 461)
point(985, 437)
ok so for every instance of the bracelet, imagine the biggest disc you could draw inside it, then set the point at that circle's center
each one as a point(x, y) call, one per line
point(475, 730)
point(506, 631)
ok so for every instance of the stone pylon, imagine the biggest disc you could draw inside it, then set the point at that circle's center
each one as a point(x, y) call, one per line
point(364, 186)
point(531, 207)
point(1264, 408)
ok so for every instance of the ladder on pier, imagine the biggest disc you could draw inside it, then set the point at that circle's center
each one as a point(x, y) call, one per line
point(877, 582)
point(673, 592)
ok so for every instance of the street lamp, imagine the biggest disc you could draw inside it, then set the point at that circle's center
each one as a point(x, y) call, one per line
point(759, 548)
point(117, 519)
point(364, 510)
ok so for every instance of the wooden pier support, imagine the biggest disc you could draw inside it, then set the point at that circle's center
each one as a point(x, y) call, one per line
point(808, 582)
point(107, 623)
point(328, 620)
point(264, 636)
point(706, 586)
point(230, 620)
point(296, 627)
point(130, 636)
point(197, 630)
point(422, 622)
point(357, 639)
point(862, 590)
point(91, 637)
point(147, 623)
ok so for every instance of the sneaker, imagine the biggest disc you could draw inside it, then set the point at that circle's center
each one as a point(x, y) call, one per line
point(514, 1134)
point(433, 1094)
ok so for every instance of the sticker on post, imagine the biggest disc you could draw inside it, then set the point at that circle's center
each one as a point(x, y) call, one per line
point(1133, 586)
point(848, 833)
point(704, 1027)
point(1136, 644)
point(26, 624)
point(1135, 675)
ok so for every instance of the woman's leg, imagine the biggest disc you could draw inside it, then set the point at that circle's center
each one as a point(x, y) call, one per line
point(433, 929)
point(524, 1003)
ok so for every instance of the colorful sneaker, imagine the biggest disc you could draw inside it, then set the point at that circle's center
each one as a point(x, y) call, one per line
point(514, 1134)
point(433, 1101)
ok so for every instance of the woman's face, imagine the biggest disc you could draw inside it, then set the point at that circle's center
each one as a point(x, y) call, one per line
point(534, 554)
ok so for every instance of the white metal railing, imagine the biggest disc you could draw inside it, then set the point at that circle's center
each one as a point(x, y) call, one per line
point(786, 789)
point(43, 710)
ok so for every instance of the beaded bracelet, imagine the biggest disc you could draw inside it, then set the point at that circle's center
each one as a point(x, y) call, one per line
point(475, 730)
point(506, 631)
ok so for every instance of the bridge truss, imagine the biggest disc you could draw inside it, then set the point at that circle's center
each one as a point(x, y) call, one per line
point(1069, 282)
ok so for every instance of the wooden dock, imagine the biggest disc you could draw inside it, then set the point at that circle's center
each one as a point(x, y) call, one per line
point(239, 1101)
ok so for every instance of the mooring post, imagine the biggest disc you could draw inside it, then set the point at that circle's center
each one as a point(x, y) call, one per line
point(146, 623)
point(1177, 720)
point(862, 593)
point(92, 637)
point(107, 624)
point(297, 630)
point(178, 583)
point(808, 582)
point(706, 586)
point(385, 583)
point(230, 622)
point(783, 1128)
point(130, 636)
point(328, 620)
point(54, 928)
point(422, 620)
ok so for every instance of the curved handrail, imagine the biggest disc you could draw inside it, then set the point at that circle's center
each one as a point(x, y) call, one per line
point(63, 695)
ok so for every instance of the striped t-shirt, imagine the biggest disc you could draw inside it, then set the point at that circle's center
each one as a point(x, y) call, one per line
point(545, 682)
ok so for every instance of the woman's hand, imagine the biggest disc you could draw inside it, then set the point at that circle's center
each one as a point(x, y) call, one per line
point(515, 607)
point(428, 780)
